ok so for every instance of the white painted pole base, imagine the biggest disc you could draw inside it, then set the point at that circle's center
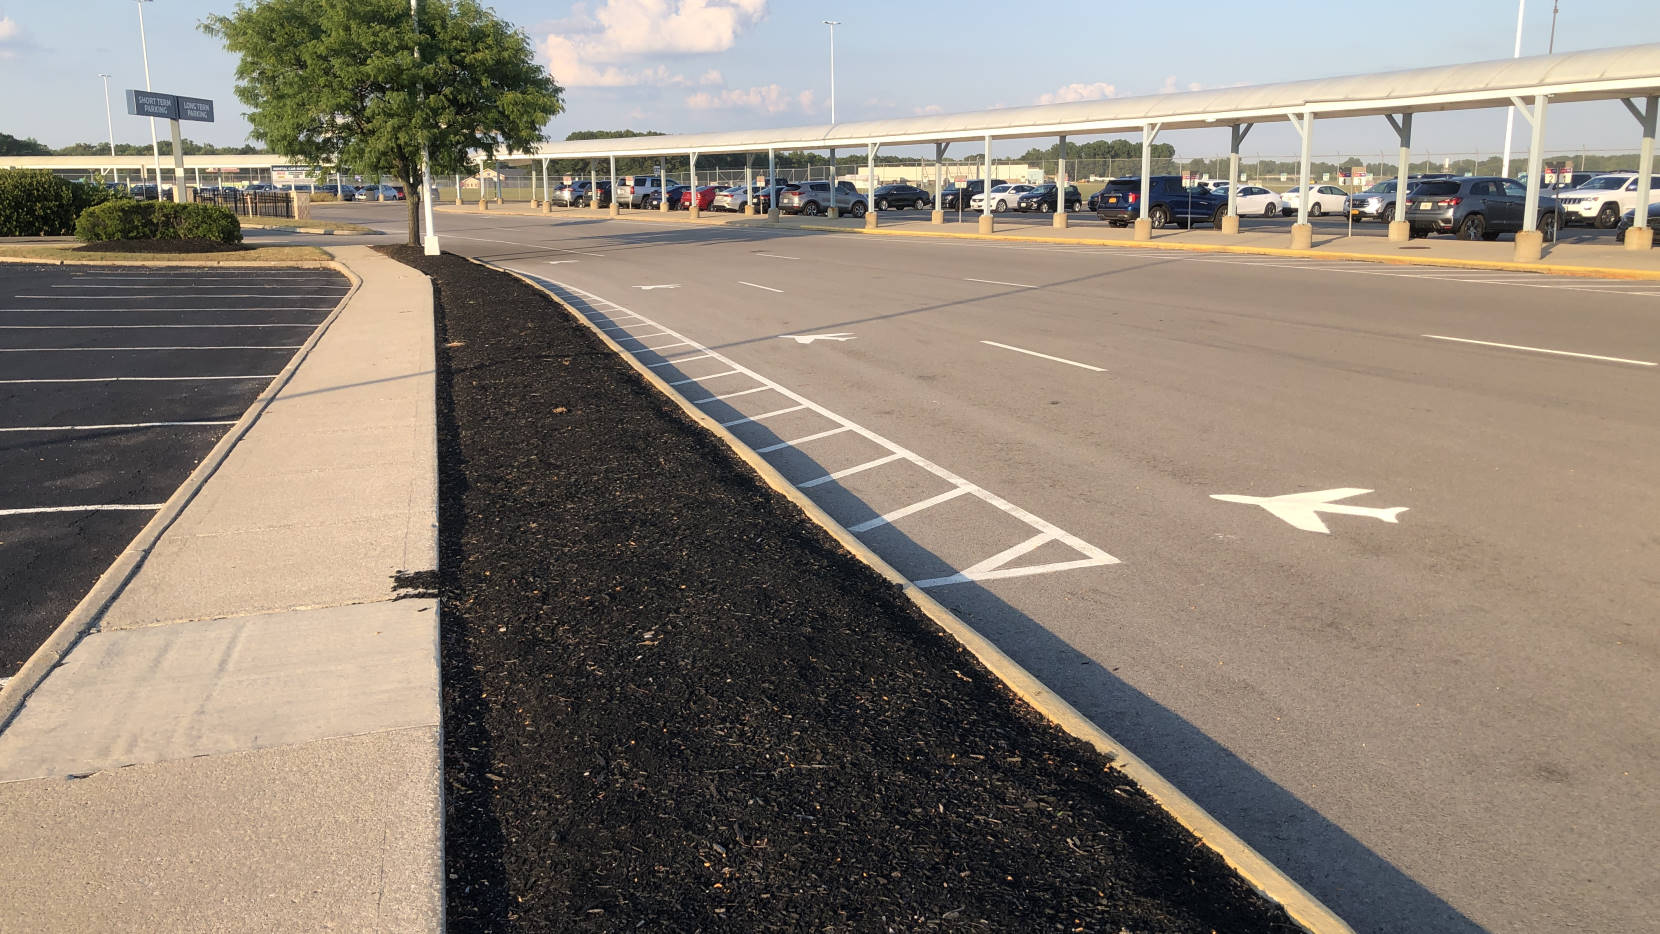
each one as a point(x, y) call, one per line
point(614, 210)
point(833, 213)
point(483, 205)
point(936, 217)
point(1639, 238)
point(692, 213)
point(547, 207)
point(429, 245)
point(1143, 228)
point(749, 210)
point(1060, 221)
point(1400, 231)
point(987, 225)
point(870, 220)
point(1530, 246)
point(1230, 224)
point(1302, 236)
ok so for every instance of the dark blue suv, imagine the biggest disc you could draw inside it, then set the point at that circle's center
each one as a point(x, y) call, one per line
point(1120, 202)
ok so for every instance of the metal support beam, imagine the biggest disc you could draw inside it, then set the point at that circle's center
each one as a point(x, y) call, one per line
point(1149, 132)
point(1236, 136)
point(1060, 187)
point(690, 198)
point(1645, 159)
point(870, 184)
point(832, 211)
point(985, 191)
point(938, 214)
point(1535, 154)
point(1403, 131)
point(613, 197)
point(772, 185)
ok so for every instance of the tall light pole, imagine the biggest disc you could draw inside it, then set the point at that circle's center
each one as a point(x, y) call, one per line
point(1510, 112)
point(429, 243)
point(1551, 49)
point(144, 45)
point(832, 23)
point(110, 122)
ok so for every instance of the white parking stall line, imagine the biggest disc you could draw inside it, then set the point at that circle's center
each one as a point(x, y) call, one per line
point(762, 416)
point(731, 395)
point(126, 349)
point(850, 471)
point(128, 298)
point(699, 379)
point(1561, 353)
point(528, 246)
point(680, 360)
point(105, 311)
point(1091, 556)
point(120, 426)
point(799, 441)
point(153, 285)
point(766, 287)
point(897, 514)
point(1033, 353)
point(614, 327)
point(1012, 285)
point(119, 327)
point(134, 379)
point(637, 337)
point(667, 346)
point(103, 508)
point(776, 256)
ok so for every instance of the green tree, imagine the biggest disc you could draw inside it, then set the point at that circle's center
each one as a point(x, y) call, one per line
point(12, 146)
point(335, 82)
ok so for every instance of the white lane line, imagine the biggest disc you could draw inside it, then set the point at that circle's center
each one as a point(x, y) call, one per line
point(1081, 366)
point(754, 286)
point(898, 514)
point(699, 379)
point(850, 471)
point(135, 379)
point(731, 395)
point(699, 356)
point(1563, 353)
point(40, 509)
point(230, 347)
point(756, 418)
point(125, 425)
point(1091, 555)
point(1013, 285)
point(776, 256)
point(108, 327)
point(800, 441)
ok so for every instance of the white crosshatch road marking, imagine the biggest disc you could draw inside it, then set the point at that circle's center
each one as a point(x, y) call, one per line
point(996, 567)
point(1301, 510)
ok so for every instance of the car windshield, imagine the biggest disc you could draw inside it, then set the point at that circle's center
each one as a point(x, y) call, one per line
point(1381, 188)
point(1437, 188)
point(1607, 183)
point(1000, 188)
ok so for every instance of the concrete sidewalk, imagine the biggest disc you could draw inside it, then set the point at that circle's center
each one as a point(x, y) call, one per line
point(247, 737)
point(1560, 258)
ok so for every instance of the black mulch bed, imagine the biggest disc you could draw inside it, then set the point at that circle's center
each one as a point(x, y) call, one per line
point(173, 245)
point(673, 704)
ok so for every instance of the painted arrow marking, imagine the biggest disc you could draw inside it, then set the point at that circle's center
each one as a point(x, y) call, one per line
point(1301, 510)
point(648, 288)
point(809, 338)
point(561, 262)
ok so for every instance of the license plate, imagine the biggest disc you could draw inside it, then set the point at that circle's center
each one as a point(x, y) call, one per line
point(1112, 199)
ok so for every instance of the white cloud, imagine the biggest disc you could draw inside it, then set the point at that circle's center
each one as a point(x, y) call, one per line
point(596, 49)
point(930, 109)
point(1170, 86)
point(770, 98)
point(1078, 92)
point(11, 37)
point(712, 78)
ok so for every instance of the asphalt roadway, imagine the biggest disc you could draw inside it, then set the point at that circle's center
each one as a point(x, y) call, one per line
point(114, 383)
point(1439, 723)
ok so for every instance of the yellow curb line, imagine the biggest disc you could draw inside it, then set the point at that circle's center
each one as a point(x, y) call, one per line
point(1263, 876)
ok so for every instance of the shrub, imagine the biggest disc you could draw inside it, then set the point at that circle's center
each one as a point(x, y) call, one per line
point(157, 220)
point(35, 203)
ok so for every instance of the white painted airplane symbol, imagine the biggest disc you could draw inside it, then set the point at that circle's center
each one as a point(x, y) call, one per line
point(809, 338)
point(1302, 510)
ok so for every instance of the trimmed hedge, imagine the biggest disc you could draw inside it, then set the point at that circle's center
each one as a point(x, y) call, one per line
point(158, 220)
point(36, 203)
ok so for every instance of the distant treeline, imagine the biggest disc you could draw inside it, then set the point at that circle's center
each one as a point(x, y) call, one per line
point(12, 146)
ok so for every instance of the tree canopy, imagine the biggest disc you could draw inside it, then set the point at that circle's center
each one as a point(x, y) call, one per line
point(337, 82)
point(12, 146)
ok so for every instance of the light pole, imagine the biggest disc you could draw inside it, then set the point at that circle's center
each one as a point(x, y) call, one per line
point(832, 23)
point(144, 45)
point(1551, 49)
point(429, 244)
point(1510, 112)
point(110, 122)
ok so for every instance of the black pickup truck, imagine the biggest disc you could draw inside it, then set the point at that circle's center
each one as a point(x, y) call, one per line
point(959, 196)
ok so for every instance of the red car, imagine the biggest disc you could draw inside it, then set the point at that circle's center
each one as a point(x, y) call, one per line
point(705, 197)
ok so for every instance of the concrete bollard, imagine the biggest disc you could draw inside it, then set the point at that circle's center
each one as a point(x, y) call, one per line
point(692, 212)
point(613, 210)
point(1400, 231)
point(936, 217)
point(1230, 224)
point(772, 215)
point(1530, 246)
point(1302, 236)
point(749, 209)
point(870, 220)
point(1060, 221)
point(987, 225)
point(1143, 228)
point(483, 205)
point(833, 213)
point(1639, 238)
point(547, 207)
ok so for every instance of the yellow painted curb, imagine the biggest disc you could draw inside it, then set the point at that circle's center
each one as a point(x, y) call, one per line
point(1263, 876)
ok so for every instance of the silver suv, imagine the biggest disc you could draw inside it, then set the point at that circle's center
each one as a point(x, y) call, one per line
point(814, 198)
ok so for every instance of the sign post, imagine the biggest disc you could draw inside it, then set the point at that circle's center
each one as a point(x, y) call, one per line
point(174, 108)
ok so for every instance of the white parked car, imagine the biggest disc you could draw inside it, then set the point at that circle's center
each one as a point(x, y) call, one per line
point(1253, 199)
point(1602, 200)
point(1003, 198)
point(1327, 199)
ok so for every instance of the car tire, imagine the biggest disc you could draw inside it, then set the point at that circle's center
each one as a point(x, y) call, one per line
point(1216, 219)
point(1000, 206)
point(1159, 215)
point(882, 205)
point(1387, 216)
point(810, 209)
point(1548, 227)
point(1286, 212)
point(1315, 211)
point(1272, 210)
point(1608, 216)
point(858, 209)
point(1471, 227)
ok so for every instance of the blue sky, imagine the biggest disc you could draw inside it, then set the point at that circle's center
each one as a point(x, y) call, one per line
point(694, 65)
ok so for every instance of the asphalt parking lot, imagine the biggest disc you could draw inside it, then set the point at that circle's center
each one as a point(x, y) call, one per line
point(115, 381)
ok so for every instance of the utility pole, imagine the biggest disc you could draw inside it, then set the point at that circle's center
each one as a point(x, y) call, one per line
point(144, 46)
point(110, 122)
point(429, 243)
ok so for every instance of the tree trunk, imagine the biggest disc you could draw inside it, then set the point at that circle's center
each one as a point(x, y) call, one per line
point(414, 194)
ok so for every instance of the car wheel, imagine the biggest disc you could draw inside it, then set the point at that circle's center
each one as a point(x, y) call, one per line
point(858, 209)
point(1000, 206)
point(1471, 227)
point(1608, 216)
point(1216, 219)
point(881, 205)
point(1272, 210)
point(1314, 210)
point(1388, 215)
point(1159, 215)
point(1547, 227)
point(810, 209)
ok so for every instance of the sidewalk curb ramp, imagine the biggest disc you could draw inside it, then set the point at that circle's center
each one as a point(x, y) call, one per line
point(1263, 876)
point(114, 579)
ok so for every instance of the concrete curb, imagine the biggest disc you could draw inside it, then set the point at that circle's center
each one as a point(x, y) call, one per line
point(1263, 876)
point(110, 584)
point(319, 231)
point(246, 263)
